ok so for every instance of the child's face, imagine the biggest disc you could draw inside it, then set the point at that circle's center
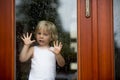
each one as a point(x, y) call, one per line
point(43, 37)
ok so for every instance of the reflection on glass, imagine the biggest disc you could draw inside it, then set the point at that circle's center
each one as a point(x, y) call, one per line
point(60, 12)
point(117, 38)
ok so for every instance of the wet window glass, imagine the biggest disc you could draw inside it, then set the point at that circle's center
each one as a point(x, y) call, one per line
point(116, 12)
point(63, 13)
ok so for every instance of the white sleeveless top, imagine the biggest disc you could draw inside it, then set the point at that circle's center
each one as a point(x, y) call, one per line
point(43, 65)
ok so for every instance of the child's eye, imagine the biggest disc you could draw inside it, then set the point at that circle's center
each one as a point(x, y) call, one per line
point(39, 33)
point(45, 34)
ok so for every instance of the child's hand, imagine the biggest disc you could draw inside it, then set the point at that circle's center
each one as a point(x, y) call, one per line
point(57, 47)
point(27, 39)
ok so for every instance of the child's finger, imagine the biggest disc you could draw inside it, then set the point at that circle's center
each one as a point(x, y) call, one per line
point(33, 41)
point(30, 35)
point(54, 43)
point(27, 34)
point(57, 43)
point(60, 44)
point(24, 36)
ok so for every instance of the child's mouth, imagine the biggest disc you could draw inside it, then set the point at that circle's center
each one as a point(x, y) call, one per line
point(41, 41)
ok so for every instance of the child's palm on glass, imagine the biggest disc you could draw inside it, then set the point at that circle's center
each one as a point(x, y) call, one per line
point(27, 39)
point(57, 47)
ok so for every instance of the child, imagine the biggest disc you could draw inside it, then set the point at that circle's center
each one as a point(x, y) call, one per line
point(43, 56)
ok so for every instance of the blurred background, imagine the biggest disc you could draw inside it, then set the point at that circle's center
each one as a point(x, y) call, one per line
point(116, 9)
point(61, 12)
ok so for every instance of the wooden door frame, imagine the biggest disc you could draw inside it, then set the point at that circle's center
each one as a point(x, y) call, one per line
point(7, 40)
point(95, 51)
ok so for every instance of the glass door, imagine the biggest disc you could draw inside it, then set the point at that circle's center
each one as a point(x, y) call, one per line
point(61, 12)
point(116, 9)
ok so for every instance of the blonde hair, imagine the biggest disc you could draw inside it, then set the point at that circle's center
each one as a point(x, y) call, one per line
point(47, 26)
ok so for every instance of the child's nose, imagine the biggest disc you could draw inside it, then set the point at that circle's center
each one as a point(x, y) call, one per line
point(41, 36)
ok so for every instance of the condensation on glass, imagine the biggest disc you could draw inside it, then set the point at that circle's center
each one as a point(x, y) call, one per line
point(116, 9)
point(64, 14)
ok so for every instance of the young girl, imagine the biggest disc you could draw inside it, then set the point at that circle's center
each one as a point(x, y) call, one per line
point(43, 56)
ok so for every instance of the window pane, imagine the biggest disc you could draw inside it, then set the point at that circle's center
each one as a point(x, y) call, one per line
point(63, 13)
point(117, 38)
